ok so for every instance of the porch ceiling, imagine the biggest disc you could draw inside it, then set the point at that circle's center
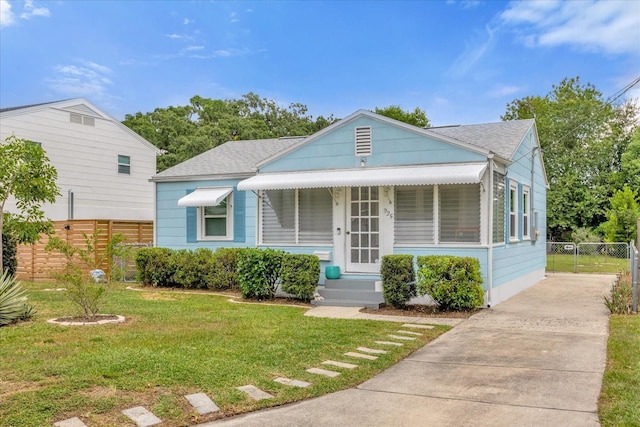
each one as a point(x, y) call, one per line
point(467, 173)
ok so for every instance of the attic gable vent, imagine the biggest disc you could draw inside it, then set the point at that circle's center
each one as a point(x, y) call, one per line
point(81, 119)
point(363, 140)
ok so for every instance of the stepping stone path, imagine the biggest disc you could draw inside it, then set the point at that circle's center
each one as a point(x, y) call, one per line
point(325, 372)
point(409, 333)
point(294, 383)
point(360, 355)
point(397, 344)
point(399, 337)
point(71, 422)
point(141, 416)
point(254, 392)
point(413, 325)
point(340, 364)
point(371, 350)
point(201, 403)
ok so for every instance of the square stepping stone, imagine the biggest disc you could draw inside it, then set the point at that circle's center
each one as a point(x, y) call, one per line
point(71, 422)
point(254, 392)
point(325, 372)
point(294, 383)
point(141, 416)
point(360, 355)
point(201, 403)
point(371, 350)
point(409, 333)
point(340, 364)
point(399, 337)
point(397, 344)
point(413, 325)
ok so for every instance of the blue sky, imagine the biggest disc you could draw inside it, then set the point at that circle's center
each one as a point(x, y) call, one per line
point(460, 61)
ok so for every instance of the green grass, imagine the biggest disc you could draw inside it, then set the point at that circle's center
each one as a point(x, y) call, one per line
point(619, 403)
point(171, 345)
point(586, 264)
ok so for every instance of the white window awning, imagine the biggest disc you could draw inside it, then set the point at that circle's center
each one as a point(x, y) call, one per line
point(205, 197)
point(469, 173)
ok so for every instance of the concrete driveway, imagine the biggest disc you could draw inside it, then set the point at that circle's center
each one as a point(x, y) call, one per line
point(536, 359)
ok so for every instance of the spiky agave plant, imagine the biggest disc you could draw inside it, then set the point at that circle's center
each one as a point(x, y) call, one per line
point(13, 302)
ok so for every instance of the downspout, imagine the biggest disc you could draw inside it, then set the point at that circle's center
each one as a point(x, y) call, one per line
point(490, 237)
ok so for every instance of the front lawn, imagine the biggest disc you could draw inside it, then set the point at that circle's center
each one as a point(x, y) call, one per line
point(171, 345)
point(620, 397)
point(564, 263)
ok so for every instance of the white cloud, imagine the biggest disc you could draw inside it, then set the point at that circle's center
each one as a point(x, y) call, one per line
point(86, 78)
point(192, 48)
point(472, 53)
point(500, 91)
point(6, 15)
point(30, 10)
point(612, 26)
point(187, 21)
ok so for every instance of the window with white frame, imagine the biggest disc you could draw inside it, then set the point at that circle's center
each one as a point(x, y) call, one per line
point(124, 164)
point(413, 220)
point(513, 210)
point(499, 194)
point(303, 216)
point(459, 212)
point(526, 207)
point(216, 222)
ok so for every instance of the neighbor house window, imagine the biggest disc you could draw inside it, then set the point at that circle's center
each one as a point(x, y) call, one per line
point(124, 164)
point(498, 207)
point(459, 212)
point(413, 221)
point(302, 216)
point(513, 210)
point(215, 222)
point(525, 212)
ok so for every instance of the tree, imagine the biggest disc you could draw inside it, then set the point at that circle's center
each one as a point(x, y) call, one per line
point(622, 217)
point(27, 176)
point(630, 163)
point(583, 138)
point(417, 117)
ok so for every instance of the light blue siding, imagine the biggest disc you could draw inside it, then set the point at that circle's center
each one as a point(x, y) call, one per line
point(391, 146)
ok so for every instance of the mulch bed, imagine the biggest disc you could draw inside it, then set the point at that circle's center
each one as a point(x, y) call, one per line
point(95, 319)
point(417, 310)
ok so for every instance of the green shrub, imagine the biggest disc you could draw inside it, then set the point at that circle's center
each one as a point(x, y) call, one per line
point(224, 271)
point(398, 279)
point(192, 268)
point(156, 266)
point(455, 283)
point(9, 254)
point(258, 272)
point(621, 299)
point(13, 302)
point(300, 275)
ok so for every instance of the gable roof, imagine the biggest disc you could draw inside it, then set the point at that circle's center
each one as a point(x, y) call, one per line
point(77, 105)
point(233, 158)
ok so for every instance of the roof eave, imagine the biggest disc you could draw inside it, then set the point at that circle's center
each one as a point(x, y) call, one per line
point(204, 177)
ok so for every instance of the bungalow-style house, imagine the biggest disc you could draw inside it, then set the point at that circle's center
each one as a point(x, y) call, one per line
point(365, 187)
point(103, 175)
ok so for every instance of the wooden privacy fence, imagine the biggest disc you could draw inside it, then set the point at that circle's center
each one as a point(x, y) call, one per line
point(36, 264)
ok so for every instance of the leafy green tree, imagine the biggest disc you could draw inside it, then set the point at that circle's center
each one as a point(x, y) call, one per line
point(27, 176)
point(622, 217)
point(630, 163)
point(417, 117)
point(583, 138)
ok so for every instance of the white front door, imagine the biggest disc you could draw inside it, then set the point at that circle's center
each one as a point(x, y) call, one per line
point(363, 230)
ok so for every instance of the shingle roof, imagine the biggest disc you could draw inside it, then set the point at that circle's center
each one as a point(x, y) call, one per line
point(501, 138)
point(230, 158)
point(3, 110)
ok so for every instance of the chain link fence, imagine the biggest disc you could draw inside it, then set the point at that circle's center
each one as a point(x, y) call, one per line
point(588, 257)
point(124, 266)
point(635, 272)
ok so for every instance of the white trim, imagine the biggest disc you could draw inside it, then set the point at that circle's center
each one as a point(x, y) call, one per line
point(526, 213)
point(462, 173)
point(205, 197)
point(513, 214)
point(229, 221)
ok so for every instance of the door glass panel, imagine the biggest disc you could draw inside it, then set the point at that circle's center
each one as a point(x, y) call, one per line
point(374, 224)
point(354, 240)
point(364, 209)
point(374, 193)
point(355, 256)
point(364, 240)
point(374, 208)
point(355, 224)
point(375, 255)
point(364, 224)
point(374, 241)
point(364, 255)
point(364, 191)
point(355, 194)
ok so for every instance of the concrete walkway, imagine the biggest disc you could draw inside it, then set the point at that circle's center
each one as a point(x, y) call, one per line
point(536, 359)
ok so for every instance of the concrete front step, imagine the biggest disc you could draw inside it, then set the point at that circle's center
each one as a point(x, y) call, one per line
point(351, 284)
point(346, 303)
point(351, 294)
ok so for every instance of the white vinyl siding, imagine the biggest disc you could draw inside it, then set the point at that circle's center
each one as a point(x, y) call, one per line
point(414, 215)
point(513, 211)
point(459, 213)
point(216, 222)
point(525, 213)
point(498, 207)
point(363, 140)
point(296, 216)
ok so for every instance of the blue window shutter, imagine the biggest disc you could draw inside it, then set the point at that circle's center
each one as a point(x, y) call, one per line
point(192, 223)
point(239, 215)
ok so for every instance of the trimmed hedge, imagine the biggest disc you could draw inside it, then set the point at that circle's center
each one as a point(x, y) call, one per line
point(300, 275)
point(193, 268)
point(398, 279)
point(224, 269)
point(258, 272)
point(455, 283)
point(156, 266)
point(9, 254)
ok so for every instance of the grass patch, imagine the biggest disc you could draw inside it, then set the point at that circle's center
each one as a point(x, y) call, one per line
point(561, 263)
point(173, 344)
point(619, 403)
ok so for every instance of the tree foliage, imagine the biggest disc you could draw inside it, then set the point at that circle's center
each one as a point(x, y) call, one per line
point(27, 176)
point(417, 117)
point(186, 131)
point(584, 139)
point(622, 218)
